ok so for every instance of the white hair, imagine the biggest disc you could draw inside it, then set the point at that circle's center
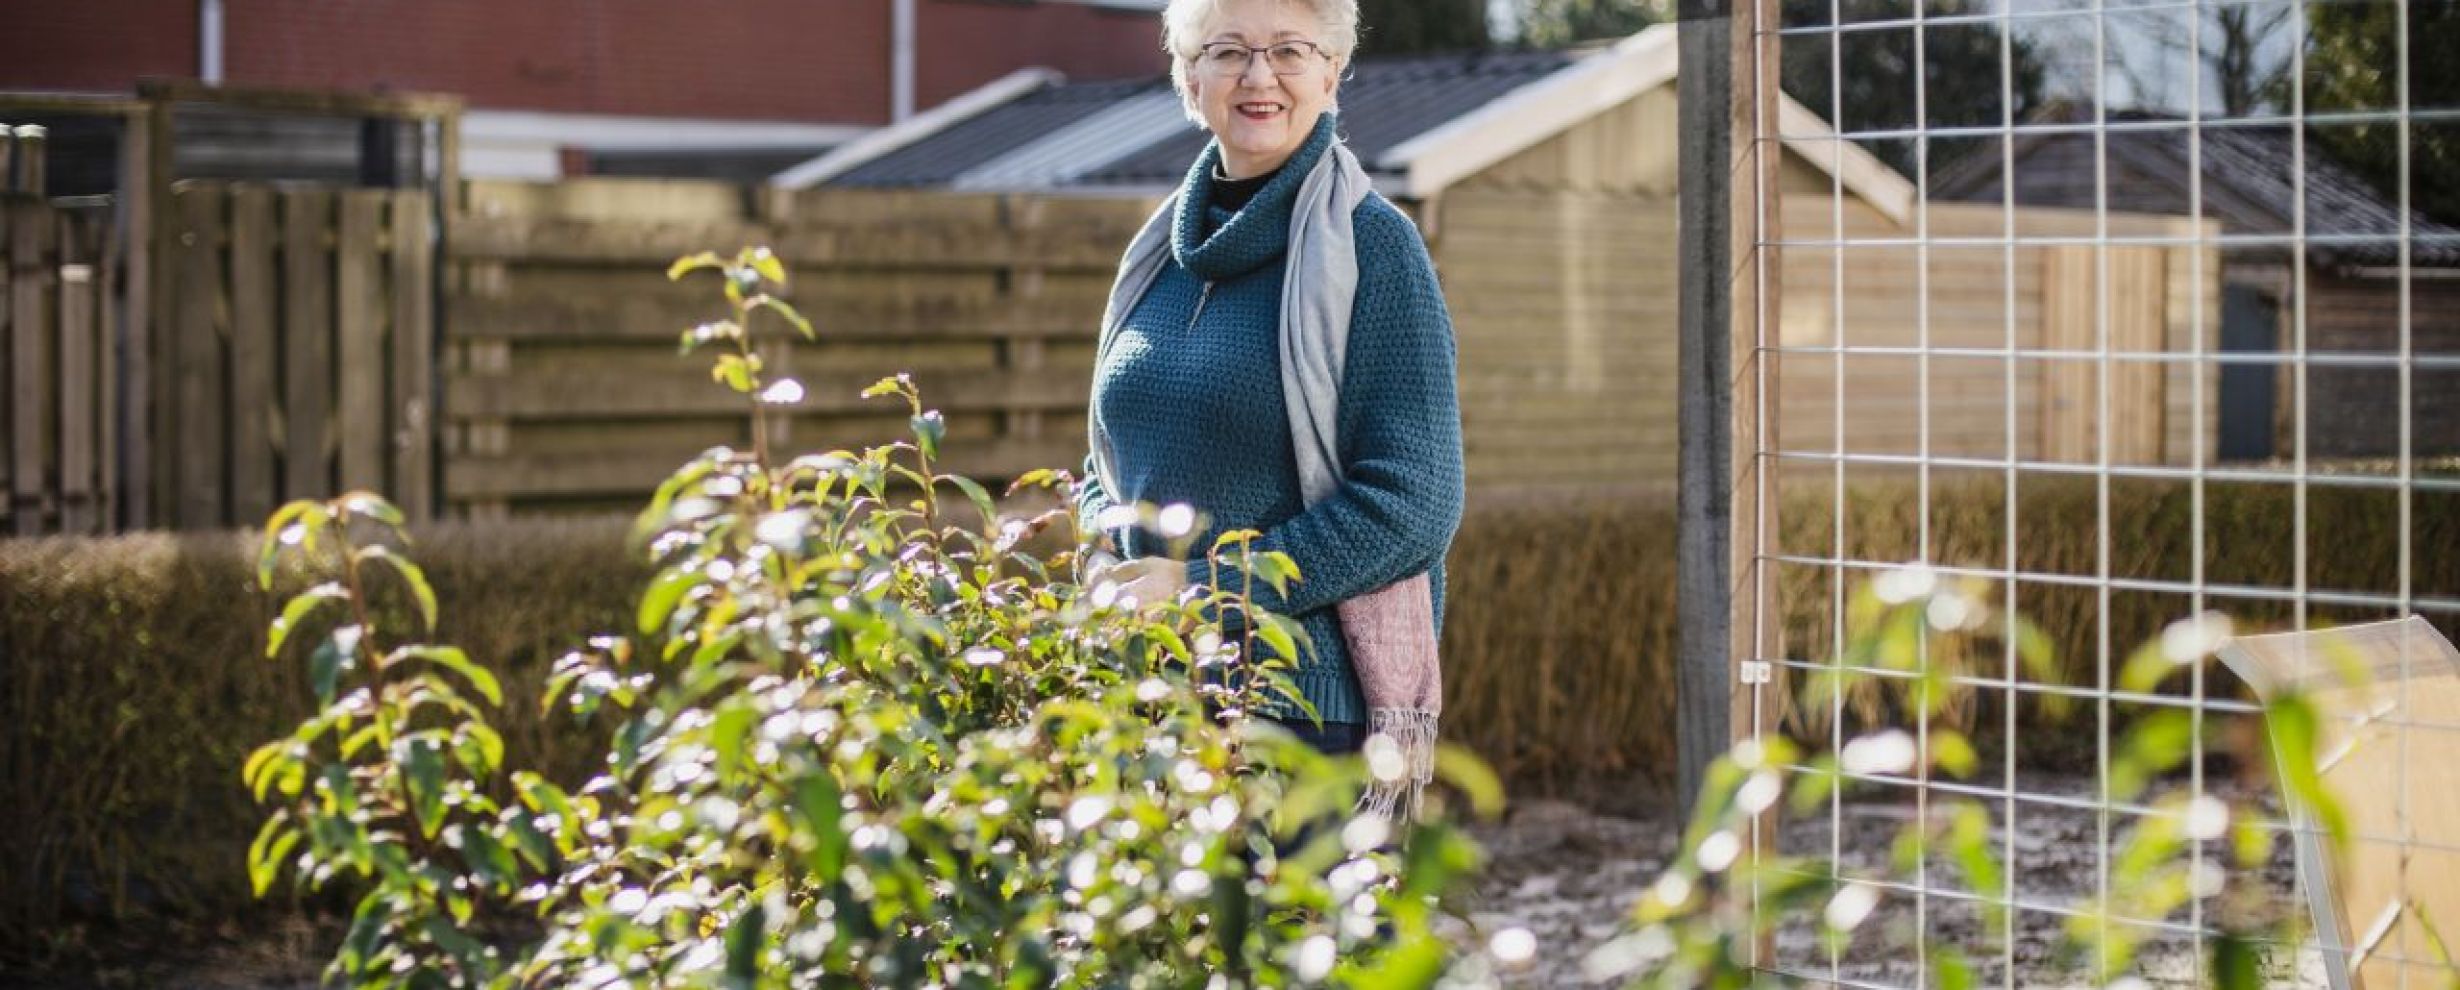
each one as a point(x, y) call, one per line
point(1185, 24)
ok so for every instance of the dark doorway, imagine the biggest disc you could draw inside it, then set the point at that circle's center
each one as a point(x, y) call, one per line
point(2248, 326)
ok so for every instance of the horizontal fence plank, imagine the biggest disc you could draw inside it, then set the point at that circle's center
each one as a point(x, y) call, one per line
point(549, 475)
point(884, 246)
point(587, 395)
point(599, 318)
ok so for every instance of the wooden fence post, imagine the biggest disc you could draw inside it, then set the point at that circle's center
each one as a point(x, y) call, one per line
point(32, 381)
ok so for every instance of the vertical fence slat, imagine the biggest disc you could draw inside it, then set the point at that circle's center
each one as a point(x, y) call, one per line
point(253, 355)
point(77, 377)
point(2068, 388)
point(30, 233)
point(196, 347)
point(307, 344)
point(413, 355)
point(8, 371)
point(359, 338)
point(107, 313)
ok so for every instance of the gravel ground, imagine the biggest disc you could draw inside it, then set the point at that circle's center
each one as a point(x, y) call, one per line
point(1569, 874)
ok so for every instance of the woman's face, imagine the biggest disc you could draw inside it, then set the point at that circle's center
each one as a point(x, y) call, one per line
point(1259, 115)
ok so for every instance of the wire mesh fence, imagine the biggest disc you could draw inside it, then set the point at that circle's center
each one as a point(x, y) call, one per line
point(2186, 274)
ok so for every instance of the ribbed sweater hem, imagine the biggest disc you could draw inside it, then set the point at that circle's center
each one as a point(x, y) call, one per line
point(1334, 693)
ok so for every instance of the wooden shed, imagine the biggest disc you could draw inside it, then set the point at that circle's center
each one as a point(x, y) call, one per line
point(1545, 185)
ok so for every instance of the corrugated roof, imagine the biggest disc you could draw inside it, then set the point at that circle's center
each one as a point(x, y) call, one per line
point(938, 159)
point(1385, 102)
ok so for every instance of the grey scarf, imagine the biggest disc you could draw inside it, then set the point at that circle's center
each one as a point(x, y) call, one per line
point(1390, 631)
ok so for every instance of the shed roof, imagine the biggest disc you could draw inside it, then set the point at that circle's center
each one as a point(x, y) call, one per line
point(1418, 123)
point(2251, 182)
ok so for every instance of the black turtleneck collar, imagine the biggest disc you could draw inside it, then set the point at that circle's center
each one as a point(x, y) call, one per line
point(1233, 194)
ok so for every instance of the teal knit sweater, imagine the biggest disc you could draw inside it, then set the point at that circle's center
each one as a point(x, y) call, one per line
point(1190, 393)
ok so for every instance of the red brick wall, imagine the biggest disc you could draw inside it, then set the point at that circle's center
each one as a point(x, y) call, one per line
point(808, 60)
point(965, 43)
point(94, 44)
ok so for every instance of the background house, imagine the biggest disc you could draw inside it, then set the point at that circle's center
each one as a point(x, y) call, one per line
point(563, 87)
point(2317, 231)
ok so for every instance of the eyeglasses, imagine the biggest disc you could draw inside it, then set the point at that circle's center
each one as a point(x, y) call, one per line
point(1229, 59)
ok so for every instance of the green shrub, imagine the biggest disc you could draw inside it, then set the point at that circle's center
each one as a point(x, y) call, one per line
point(1559, 632)
point(857, 737)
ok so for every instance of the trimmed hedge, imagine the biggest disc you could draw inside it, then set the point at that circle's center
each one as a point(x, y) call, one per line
point(132, 679)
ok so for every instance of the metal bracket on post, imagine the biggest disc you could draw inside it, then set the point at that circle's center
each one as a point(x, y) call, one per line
point(1754, 673)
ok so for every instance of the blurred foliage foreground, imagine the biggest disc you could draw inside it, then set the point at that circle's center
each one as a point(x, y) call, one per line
point(863, 730)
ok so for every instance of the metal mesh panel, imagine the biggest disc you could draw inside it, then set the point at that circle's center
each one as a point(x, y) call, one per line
point(2135, 312)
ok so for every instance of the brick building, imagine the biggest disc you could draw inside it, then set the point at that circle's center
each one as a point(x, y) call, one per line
point(564, 86)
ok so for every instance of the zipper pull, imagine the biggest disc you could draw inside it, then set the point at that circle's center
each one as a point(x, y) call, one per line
point(1201, 298)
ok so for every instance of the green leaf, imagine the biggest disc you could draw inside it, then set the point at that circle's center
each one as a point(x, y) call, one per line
point(891, 385)
point(817, 800)
point(929, 428)
point(1041, 477)
point(411, 574)
point(789, 314)
point(369, 505)
point(743, 942)
point(272, 846)
point(304, 513)
point(1950, 751)
point(337, 655)
point(976, 494)
point(694, 262)
point(527, 840)
point(297, 610)
point(454, 659)
point(422, 769)
point(1464, 770)
point(1280, 633)
point(258, 772)
point(736, 371)
point(664, 593)
point(765, 262)
point(487, 857)
point(481, 749)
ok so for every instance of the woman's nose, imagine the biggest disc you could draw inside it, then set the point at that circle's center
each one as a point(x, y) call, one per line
point(1259, 71)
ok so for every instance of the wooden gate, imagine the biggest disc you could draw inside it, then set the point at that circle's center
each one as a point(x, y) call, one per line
point(299, 332)
point(56, 427)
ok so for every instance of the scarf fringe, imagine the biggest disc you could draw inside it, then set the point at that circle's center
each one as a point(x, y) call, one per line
point(1414, 731)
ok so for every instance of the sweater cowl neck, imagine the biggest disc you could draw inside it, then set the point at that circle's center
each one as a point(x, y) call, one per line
point(1252, 237)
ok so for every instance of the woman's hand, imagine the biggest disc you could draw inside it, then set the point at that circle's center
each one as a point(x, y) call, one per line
point(1146, 579)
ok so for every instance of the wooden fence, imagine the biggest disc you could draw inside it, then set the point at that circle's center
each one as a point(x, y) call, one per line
point(59, 472)
point(299, 334)
point(565, 389)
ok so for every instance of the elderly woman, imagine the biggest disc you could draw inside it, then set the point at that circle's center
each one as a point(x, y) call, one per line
point(1278, 356)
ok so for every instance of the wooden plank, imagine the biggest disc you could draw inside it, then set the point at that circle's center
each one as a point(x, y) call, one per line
point(107, 368)
point(307, 344)
point(587, 394)
point(198, 356)
point(8, 373)
point(254, 356)
point(31, 232)
point(886, 246)
point(556, 475)
point(152, 375)
point(2139, 323)
point(614, 318)
point(78, 387)
point(359, 341)
point(414, 348)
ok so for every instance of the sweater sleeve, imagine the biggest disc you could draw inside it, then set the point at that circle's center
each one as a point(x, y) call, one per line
point(1091, 501)
point(1400, 498)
